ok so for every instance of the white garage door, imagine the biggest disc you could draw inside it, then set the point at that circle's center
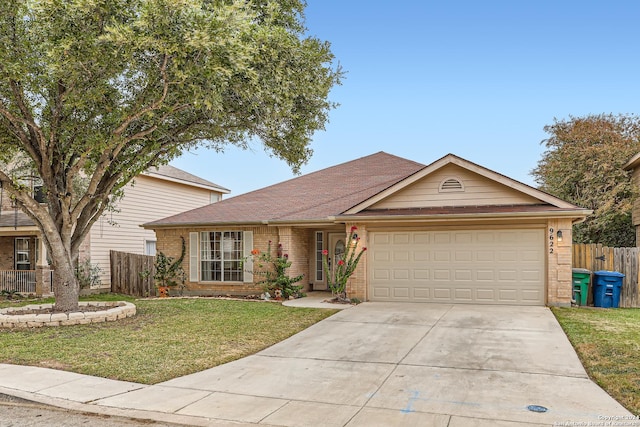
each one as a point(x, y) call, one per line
point(460, 266)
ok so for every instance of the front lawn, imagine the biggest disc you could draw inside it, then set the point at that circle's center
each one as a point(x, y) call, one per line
point(167, 338)
point(608, 344)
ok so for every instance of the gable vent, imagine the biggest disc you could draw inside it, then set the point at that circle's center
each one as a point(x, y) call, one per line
point(451, 184)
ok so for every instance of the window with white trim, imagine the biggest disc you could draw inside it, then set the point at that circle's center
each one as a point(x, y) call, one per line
point(319, 248)
point(221, 254)
point(150, 247)
point(22, 259)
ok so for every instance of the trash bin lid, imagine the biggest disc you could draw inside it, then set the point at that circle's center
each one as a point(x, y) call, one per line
point(581, 270)
point(608, 273)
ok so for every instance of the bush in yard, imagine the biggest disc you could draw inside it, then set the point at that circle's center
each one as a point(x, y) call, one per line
point(273, 270)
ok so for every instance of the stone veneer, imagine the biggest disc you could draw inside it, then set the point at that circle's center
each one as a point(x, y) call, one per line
point(112, 311)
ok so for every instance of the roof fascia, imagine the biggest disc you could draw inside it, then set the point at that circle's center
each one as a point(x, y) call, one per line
point(185, 182)
point(453, 159)
point(576, 215)
point(305, 223)
point(20, 230)
point(632, 163)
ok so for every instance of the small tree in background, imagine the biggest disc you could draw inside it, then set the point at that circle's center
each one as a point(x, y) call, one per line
point(583, 165)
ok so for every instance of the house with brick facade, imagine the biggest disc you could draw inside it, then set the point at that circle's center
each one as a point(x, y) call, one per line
point(154, 194)
point(451, 231)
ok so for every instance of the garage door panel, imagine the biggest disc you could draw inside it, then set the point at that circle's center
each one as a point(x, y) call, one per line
point(399, 274)
point(463, 238)
point(531, 295)
point(507, 256)
point(464, 294)
point(440, 255)
point(508, 295)
point(420, 256)
point(482, 266)
point(464, 256)
point(381, 256)
point(421, 238)
point(401, 238)
point(422, 293)
point(400, 292)
point(419, 274)
point(533, 256)
point(381, 275)
point(463, 275)
point(531, 276)
point(485, 295)
point(442, 294)
point(381, 239)
point(440, 238)
point(441, 275)
point(485, 275)
point(381, 292)
point(485, 256)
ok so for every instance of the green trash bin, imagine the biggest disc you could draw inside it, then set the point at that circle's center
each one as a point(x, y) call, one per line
point(581, 279)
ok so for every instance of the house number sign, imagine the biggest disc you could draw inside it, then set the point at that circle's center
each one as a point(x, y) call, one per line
point(551, 243)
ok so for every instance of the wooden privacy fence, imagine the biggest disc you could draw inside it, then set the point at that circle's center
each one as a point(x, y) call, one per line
point(596, 257)
point(126, 277)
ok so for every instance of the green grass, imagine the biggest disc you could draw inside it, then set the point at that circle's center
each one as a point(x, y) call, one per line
point(608, 344)
point(167, 338)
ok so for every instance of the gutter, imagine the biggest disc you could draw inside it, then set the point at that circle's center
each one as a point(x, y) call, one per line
point(580, 214)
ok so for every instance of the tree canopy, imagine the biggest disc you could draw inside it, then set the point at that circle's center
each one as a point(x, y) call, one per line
point(93, 92)
point(583, 164)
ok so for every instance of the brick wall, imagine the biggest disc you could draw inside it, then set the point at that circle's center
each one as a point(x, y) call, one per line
point(6, 254)
point(357, 284)
point(295, 242)
point(559, 257)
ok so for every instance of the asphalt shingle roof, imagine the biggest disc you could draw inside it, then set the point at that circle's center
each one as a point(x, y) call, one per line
point(175, 173)
point(315, 196)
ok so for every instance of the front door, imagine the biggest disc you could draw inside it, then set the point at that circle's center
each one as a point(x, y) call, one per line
point(337, 250)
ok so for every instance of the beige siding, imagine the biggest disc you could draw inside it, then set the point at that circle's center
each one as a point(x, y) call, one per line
point(148, 199)
point(478, 191)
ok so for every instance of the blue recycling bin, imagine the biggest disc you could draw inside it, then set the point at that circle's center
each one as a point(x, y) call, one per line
point(606, 288)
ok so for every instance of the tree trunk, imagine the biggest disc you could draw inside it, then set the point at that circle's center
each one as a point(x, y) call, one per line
point(65, 287)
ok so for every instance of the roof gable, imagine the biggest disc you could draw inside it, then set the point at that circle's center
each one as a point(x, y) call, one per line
point(454, 186)
point(481, 186)
point(173, 174)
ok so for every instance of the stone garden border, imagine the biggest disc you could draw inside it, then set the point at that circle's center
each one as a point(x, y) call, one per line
point(112, 311)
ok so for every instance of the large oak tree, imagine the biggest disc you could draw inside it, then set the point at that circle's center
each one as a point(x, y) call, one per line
point(584, 164)
point(93, 92)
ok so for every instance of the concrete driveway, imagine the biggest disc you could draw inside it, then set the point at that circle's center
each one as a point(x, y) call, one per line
point(384, 364)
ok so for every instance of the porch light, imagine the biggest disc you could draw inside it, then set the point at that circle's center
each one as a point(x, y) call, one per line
point(354, 238)
point(559, 235)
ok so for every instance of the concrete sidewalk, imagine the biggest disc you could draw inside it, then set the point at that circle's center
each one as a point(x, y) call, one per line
point(375, 364)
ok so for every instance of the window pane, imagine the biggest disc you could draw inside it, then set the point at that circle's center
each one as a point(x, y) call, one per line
point(319, 247)
point(221, 256)
point(22, 244)
point(150, 247)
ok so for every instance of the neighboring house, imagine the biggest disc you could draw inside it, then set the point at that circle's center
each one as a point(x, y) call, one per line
point(153, 194)
point(452, 232)
point(633, 165)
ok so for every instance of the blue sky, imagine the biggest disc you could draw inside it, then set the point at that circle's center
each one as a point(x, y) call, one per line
point(479, 79)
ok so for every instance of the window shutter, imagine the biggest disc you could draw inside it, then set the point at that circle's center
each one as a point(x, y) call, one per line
point(193, 257)
point(247, 248)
